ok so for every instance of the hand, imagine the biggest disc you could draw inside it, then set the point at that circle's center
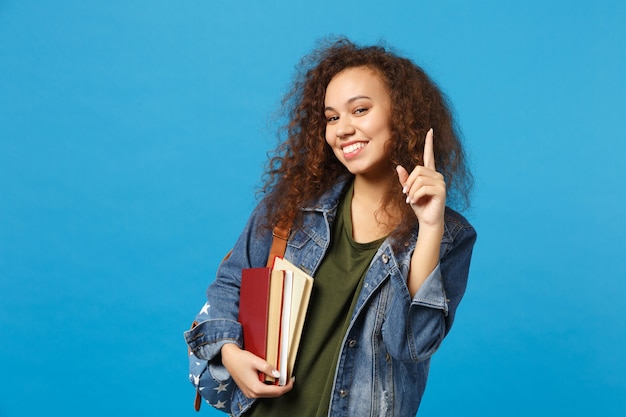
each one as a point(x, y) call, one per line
point(244, 367)
point(425, 188)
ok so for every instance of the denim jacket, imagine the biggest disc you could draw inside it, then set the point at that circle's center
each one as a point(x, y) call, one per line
point(384, 357)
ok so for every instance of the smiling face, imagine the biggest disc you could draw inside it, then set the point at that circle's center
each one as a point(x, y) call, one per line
point(358, 125)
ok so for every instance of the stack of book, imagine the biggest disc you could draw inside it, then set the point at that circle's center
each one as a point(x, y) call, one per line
point(272, 308)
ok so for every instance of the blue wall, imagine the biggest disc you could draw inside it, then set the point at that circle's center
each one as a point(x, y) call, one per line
point(133, 135)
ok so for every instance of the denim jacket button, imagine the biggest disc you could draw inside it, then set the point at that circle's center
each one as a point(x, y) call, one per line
point(352, 343)
point(343, 393)
point(385, 258)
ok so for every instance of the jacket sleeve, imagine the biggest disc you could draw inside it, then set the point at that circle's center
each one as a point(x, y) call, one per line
point(216, 324)
point(429, 315)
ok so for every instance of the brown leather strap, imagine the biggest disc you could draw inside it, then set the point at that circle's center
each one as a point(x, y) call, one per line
point(198, 401)
point(280, 235)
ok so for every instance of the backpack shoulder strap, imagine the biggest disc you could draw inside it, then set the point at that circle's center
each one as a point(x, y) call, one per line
point(280, 235)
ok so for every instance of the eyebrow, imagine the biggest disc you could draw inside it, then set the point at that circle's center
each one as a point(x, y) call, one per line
point(352, 100)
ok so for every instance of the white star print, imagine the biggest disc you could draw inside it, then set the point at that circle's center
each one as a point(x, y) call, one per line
point(205, 309)
point(196, 380)
point(221, 388)
point(220, 404)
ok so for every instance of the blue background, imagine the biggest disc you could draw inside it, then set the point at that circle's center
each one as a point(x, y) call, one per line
point(134, 134)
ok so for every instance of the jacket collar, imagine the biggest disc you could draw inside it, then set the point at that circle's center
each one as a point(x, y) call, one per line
point(329, 201)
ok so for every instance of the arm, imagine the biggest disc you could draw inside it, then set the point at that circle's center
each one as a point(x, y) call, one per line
point(416, 325)
point(218, 336)
point(439, 266)
point(425, 189)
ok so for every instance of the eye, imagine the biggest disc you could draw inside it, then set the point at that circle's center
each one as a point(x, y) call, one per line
point(361, 110)
point(332, 118)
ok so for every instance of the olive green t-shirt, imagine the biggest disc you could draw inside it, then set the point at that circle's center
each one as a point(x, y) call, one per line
point(336, 286)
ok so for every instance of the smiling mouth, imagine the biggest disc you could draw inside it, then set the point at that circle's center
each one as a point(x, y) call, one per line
point(353, 147)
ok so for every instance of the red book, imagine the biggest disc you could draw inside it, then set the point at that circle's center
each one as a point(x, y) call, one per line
point(254, 296)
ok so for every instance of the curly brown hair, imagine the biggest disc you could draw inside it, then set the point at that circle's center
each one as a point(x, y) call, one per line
point(303, 166)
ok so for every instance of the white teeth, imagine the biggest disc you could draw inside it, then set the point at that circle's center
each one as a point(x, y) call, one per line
point(353, 147)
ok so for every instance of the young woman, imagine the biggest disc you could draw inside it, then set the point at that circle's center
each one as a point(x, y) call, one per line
point(370, 158)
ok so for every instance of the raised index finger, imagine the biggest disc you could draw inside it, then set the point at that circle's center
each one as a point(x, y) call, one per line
point(429, 153)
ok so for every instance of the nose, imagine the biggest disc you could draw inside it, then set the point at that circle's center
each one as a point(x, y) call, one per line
point(344, 127)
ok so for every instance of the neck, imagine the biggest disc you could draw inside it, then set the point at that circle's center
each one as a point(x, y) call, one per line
point(369, 190)
point(367, 203)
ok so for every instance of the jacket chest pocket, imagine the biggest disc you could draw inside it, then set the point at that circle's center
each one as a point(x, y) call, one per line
point(305, 249)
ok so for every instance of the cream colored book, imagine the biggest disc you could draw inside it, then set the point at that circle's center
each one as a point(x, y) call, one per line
point(273, 320)
point(285, 326)
point(301, 287)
